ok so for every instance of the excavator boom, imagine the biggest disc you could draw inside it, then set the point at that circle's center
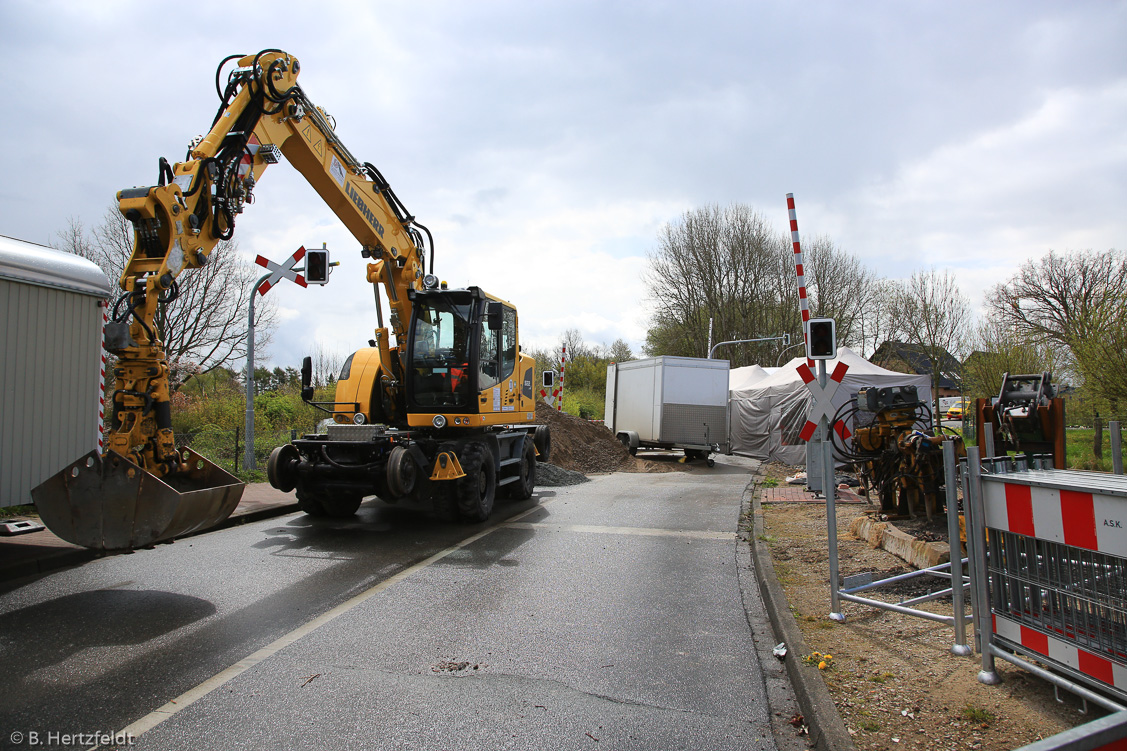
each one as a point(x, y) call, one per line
point(144, 489)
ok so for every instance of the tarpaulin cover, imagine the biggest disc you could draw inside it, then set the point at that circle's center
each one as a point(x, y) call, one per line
point(766, 414)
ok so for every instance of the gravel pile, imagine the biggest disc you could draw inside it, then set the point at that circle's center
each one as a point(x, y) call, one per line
point(550, 476)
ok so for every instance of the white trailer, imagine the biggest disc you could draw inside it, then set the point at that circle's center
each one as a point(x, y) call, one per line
point(669, 403)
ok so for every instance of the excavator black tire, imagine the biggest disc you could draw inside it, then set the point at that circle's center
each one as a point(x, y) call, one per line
point(477, 490)
point(310, 503)
point(542, 438)
point(341, 505)
point(522, 489)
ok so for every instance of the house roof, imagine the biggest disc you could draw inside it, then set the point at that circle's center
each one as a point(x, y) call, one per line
point(915, 358)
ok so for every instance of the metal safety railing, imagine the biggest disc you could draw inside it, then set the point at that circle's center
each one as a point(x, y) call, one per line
point(1104, 734)
point(1049, 553)
point(952, 571)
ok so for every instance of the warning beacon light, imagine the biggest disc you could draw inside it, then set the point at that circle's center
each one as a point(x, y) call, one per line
point(821, 341)
point(317, 266)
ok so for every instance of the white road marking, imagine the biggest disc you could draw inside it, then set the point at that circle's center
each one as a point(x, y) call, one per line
point(637, 531)
point(192, 695)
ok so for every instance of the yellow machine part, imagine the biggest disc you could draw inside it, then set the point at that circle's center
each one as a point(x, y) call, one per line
point(354, 393)
point(447, 467)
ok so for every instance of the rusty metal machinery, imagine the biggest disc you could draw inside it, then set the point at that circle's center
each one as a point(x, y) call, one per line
point(893, 450)
point(1027, 417)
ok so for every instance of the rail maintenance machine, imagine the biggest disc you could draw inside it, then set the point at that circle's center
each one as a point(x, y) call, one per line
point(440, 419)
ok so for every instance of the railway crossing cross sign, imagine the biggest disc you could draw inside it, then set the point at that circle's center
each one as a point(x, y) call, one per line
point(823, 397)
point(283, 270)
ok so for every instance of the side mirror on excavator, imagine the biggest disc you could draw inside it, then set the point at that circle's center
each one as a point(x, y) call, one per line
point(493, 314)
point(549, 379)
point(307, 379)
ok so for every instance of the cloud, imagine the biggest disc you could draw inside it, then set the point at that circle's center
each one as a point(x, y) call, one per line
point(990, 201)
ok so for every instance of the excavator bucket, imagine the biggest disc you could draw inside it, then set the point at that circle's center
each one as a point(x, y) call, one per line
point(109, 503)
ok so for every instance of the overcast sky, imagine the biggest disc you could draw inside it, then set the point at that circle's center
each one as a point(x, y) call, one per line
point(546, 143)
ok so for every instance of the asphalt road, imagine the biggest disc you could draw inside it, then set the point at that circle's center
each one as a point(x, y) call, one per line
point(609, 616)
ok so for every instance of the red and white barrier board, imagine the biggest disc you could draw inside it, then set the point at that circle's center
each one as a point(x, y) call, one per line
point(1081, 509)
point(1063, 652)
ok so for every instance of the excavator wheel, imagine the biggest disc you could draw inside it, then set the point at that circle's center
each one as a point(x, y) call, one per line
point(341, 505)
point(477, 490)
point(310, 503)
point(402, 472)
point(522, 489)
point(542, 439)
point(281, 467)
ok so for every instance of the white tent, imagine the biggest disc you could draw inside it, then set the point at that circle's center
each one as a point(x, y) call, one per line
point(766, 416)
point(742, 378)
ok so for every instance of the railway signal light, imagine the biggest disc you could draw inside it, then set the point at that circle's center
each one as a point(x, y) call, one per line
point(317, 266)
point(821, 339)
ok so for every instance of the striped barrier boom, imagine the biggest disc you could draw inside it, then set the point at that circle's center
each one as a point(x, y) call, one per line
point(105, 305)
point(800, 270)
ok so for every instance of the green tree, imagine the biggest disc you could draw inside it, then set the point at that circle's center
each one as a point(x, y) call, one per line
point(998, 349)
point(1078, 301)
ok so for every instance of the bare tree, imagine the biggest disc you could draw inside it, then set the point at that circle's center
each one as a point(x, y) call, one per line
point(1077, 300)
point(204, 325)
point(572, 340)
point(878, 324)
point(326, 366)
point(842, 288)
point(930, 312)
point(718, 264)
point(728, 265)
point(999, 349)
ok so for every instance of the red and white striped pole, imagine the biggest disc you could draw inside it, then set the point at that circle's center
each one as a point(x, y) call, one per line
point(563, 365)
point(799, 267)
point(105, 305)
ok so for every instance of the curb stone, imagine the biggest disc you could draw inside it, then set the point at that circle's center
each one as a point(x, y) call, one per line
point(827, 729)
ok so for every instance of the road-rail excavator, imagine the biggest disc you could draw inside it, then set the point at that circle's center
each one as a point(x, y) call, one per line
point(440, 419)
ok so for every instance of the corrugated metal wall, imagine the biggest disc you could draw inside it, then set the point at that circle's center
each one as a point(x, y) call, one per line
point(50, 354)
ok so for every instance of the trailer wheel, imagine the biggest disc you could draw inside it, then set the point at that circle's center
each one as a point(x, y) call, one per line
point(522, 489)
point(625, 441)
point(478, 488)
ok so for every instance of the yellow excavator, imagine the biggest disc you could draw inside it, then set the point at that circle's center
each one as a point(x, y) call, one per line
point(438, 419)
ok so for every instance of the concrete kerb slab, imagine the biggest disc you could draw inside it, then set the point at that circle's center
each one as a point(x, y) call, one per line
point(827, 729)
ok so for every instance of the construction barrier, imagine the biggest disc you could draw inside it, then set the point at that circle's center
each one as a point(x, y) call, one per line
point(1050, 560)
point(1105, 734)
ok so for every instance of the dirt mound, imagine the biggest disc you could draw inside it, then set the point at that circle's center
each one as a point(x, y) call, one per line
point(584, 446)
point(587, 447)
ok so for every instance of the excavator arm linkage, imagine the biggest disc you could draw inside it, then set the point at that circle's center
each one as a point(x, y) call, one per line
point(144, 489)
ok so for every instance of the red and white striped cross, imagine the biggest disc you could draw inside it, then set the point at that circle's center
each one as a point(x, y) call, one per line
point(823, 399)
point(283, 270)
